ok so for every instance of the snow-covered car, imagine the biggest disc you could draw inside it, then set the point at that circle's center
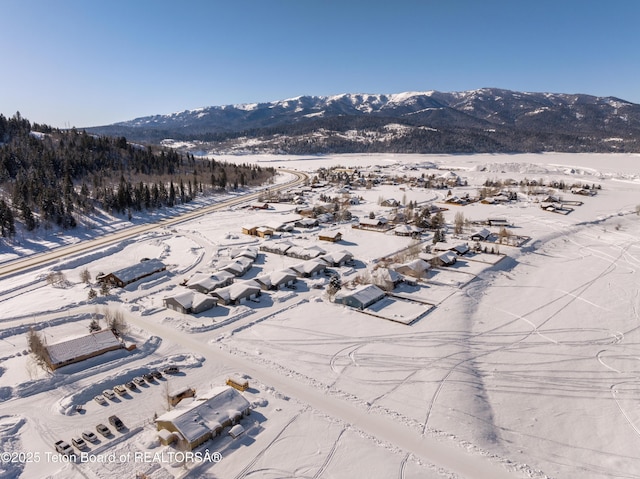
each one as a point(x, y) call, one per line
point(79, 443)
point(108, 393)
point(100, 399)
point(138, 380)
point(131, 385)
point(104, 430)
point(148, 377)
point(120, 389)
point(89, 436)
point(63, 447)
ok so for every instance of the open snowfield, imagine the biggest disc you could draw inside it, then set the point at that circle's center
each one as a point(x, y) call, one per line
point(524, 364)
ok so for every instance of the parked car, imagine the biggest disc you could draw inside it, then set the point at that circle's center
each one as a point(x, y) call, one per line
point(131, 385)
point(120, 389)
point(108, 393)
point(79, 443)
point(148, 377)
point(104, 430)
point(171, 370)
point(100, 399)
point(138, 380)
point(156, 374)
point(116, 422)
point(63, 447)
point(89, 436)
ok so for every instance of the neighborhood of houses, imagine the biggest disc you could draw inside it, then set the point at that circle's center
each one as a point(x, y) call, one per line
point(401, 287)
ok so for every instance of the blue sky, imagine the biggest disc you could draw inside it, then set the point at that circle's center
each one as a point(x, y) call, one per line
point(91, 62)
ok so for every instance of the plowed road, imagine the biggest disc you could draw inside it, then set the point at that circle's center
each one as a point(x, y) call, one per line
point(40, 259)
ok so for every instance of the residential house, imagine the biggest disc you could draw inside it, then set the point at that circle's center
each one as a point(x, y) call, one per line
point(332, 236)
point(481, 235)
point(205, 416)
point(189, 302)
point(237, 293)
point(337, 259)
point(416, 268)
point(78, 349)
point(133, 273)
point(360, 298)
point(277, 280)
point(310, 268)
point(205, 283)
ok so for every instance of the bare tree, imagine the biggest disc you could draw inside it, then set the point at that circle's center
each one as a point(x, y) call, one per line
point(458, 223)
point(116, 322)
point(85, 276)
point(37, 346)
point(57, 279)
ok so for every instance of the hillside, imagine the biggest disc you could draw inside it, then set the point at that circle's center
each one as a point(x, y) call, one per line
point(485, 120)
point(53, 177)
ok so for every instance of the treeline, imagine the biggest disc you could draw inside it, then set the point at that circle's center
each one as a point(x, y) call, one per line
point(50, 176)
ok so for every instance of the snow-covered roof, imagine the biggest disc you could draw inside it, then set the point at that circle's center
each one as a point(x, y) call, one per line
point(417, 265)
point(309, 267)
point(364, 293)
point(207, 413)
point(209, 281)
point(83, 346)
point(191, 299)
point(139, 270)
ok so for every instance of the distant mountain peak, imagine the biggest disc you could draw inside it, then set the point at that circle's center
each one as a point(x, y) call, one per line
point(485, 119)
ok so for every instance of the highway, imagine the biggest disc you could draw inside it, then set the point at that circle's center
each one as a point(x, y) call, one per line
point(40, 259)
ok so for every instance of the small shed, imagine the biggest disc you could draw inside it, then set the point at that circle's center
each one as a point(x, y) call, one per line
point(236, 431)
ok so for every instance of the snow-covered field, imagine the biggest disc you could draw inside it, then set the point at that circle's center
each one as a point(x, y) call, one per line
point(521, 365)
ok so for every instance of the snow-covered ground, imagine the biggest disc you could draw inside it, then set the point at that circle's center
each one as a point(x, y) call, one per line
point(521, 365)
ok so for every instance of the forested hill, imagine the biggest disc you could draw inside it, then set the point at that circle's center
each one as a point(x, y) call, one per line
point(54, 177)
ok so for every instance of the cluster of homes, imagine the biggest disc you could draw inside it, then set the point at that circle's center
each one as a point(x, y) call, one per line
point(204, 291)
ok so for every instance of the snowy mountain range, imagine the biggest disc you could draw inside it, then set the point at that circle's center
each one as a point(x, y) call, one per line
point(485, 120)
